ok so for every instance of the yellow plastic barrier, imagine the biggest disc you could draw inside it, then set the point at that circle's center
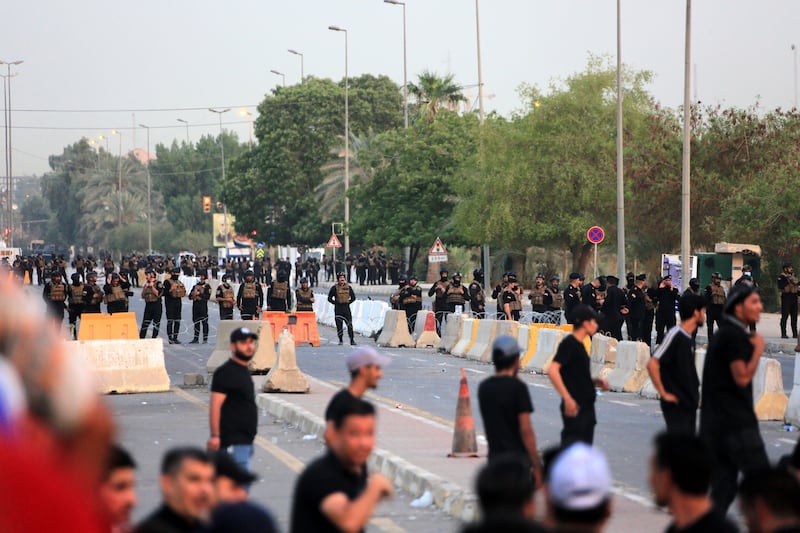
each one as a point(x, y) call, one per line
point(96, 326)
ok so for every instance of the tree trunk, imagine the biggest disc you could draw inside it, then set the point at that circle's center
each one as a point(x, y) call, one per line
point(582, 258)
point(413, 253)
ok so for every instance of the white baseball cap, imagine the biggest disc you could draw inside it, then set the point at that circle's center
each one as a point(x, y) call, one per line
point(365, 356)
point(580, 478)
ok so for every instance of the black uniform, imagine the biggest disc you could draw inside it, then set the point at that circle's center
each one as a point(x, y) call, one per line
point(174, 291)
point(200, 295)
point(665, 313)
point(612, 312)
point(572, 299)
point(477, 300)
point(76, 296)
point(94, 295)
point(553, 300)
point(250, 300)
point(636, 313)
point(341, 296)
point(787, 284)
point(411, 302)
point(440, 305)
point(226, 308)
point(279, 296)
point(305, 299)
point(116, 296)
point(55, 294)
point(152, 293)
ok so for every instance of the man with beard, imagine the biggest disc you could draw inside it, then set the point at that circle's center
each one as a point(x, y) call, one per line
point(174, 291)
point(477, 298)
point(440, 305)
point(411, 300)
point(233, 414)
point(553, 300)
point(152, 293)
point(457, 294)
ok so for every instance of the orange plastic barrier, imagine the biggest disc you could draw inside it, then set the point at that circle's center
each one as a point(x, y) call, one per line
point(305, 328)
point(278, 319)
point(96, 326)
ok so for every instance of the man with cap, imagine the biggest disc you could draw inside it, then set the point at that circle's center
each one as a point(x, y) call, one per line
point(75, 297)
point(226, 298)
point(395, 299)
point(571, 376)
point(457, 294)
point(94, 294)
point(116, 294)
point(572, 296)
point(727, 420)
point(614, 308)
point(440, 305)
point(667, 296)
point(715, 295)
point(591, 294)
point(553, 300)
point(787, 284)
point(411, 301)
point(477, 298)
point(511, 299)
point(200, 295)
point(636, 308)
point(341, 296)
point(54, 295)
point(152, 292)
point(250, 297)
point(506, 408)
point(365, 366)
point(305, 296)
point(537, 293)
point(233, 414)
point(174, 291)
point(497, 293)
point(694, 287)
point(579, 495)
point(279, 294)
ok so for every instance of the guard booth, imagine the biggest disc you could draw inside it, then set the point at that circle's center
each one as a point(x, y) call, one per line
point(728, 259)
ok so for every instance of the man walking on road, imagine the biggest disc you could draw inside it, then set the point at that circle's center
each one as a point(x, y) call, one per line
point(727, 420)
point(233, 414)
point(341, 296)
point(571, 376)
point(506, 407)
point(673, 371)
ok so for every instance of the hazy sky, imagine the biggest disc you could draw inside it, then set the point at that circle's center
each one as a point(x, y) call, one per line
point(156, 58)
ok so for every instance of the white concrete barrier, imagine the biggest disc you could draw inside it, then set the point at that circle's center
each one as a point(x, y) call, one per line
point(428, 338)
point(547, 343)
point(603, 355)
point(504, 327)
point(265, 357)
point(395, 331)
point(482, 347)
point(792, 415)
point(286, 376)
point(222, 350)
point(126, 366)
point(630, 371)
point(769, 399)
point(468, 331)
point(523, 335)
point(419, 325)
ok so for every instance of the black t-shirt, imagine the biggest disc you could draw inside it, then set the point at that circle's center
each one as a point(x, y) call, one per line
point(678, 371)
point(323, 477)
point(710, 521)
point(239, 416)
point(165, 520)
point(338, 402)
point(502, 399)
point(727, 407)
point(504, 525)
point(576, 371)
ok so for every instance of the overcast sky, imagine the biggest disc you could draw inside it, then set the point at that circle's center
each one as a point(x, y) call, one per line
point(158, 58)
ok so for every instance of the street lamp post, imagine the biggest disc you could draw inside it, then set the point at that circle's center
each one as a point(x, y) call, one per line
point(219, 113)
point(480, 73)
point(405, 62)
point(620, 175)
point(794, 53)
point(686, 174)
point(186, 123)
point(346, 144)
point(9, 162)
point(281, 74)
point(149, 206)
point(119, 175)
point(302, 70)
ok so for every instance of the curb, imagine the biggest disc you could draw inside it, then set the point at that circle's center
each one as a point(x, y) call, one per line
point(447, 496)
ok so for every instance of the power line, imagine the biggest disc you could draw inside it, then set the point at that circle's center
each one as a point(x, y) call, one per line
point(139, 110)
point(123, 127)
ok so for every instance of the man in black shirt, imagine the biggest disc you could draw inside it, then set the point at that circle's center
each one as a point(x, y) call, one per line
point(667, 295)
point(334, 493)
point(571, 376)
point(187, 476)
point(673, 371)
point(572, 296)
point(680, 474)
point(727, 420)
point(770, 501)
point(233, 414)
point(506, 407)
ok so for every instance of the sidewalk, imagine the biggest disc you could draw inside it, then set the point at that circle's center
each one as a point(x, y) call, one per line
point(412, 452)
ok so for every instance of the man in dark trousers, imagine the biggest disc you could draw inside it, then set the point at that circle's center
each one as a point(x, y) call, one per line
point(54, 295)
point(341, 296)
point(636, 308)
point(233, 414)
point(571, 376)
point(506, 407)
point(200, 295)
point(152, 292)
point(615, 307)
point(305, 296)
point(667, 296)
point(250, 298)
point(116, 294)
point(226, 298)
point(411, 301)
point(673, 371)
point(75, 297)
point(279, 294)
point(440, 305)
point(174, 291)
point(477, 297)
point(572, 296)
point(787, 284)
point(715, 295)
point(727, 420)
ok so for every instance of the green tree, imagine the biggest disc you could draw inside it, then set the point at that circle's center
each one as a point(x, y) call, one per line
point(433, 92)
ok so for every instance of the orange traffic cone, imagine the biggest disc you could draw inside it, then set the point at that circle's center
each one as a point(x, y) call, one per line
point(27, 280)
point(464, 442)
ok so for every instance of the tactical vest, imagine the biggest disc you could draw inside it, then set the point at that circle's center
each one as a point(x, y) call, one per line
point(410, 299)
point(279, 290)
point(117, 295)
point(57, 292)
point(441, 289)
point(150, 294)
point(227, 292)
point(558, 299)
point(791, 285)
point(537, 296)
point(455, 294)
point(97, 295)
point(515, 304)
point(197, 291)
point(304, 295)
point(79, 264)
point(76, 294)
point(342, 294)
point(177, 289)
point(480, 297)
point(249, 290)
point(717, 295)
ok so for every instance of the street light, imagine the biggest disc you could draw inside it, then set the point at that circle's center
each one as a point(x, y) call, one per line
point(219, 113)
point(346, 144)
point(620, 162)
point(302, 73)
point(405, 63)
point(794, 53)
point(186, 122)
point(245, 113)
point(7, 124)
point(480, 73)
point(149, 206)
point(119, 175)
point(281, 74)
point(687, 147)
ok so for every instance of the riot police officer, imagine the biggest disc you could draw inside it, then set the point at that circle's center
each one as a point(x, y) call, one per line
point(553, 300)
point(116, 296)
point(536, 295)
point(305, 296)
point(226, 299)
point(250, 298)
point(411, 300)
point(200, 295)
point(715, 296)
point(457, 294)
point(440, 305)
point(395, 300)
point(174, 291)
point(152, 292)
point(477, 298)
point(55, 294)
point(572, 296)
point(511, 299)
point(279, 295)
point(341, 296)
point(94, 294)
point(76, 295)
point(787, 284)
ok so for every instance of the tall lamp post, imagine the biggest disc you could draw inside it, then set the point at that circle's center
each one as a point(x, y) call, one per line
point(620, 162)
point(9, 165)
point(281, 74)
point(119, 175)
point(219, 113)
point(186, 123)
point(149, 206)
point(346, 144)
point(480, 73)
point(302, 69)
point(687, 147)
point(405, 62)
point(794, 53)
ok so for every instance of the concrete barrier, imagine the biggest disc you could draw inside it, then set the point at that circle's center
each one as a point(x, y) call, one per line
point(482, 347)
point(468, 331)
point(126, 366)
point(603, 354)
point(265, 357)
point(452, 331)
point(222, 350)
point(546, 347)
point(504, 327)
point(630, 371)
point(523, 334)
point(533, 339)
point(285, 376)
point(429, 338)
point(792, 415)
point(395, 331)
point(769, 399)
point(419, 326)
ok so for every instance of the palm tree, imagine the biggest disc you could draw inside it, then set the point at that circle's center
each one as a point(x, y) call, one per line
point(434, 92)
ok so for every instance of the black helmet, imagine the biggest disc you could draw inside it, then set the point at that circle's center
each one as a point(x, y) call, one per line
point(457, 275)
point(478, 273)
point(249, 273)
point(114, 275)
point(303, 280)
point(786, 264)
point(403, 278)
point(443, 270)
point(149, 271)
point(555, 278)
point(505, 350)
point(414, 277)
point(226, 277)
point(76, 277)
point(175, 270)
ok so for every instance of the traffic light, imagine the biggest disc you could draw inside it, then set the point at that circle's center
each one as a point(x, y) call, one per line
point(206, 204)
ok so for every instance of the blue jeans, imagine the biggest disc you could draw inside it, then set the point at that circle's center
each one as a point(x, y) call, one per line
point(241, 453)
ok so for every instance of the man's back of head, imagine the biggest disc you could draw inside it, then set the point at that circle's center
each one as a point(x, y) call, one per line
point(685, 460)
point(580, 489)
point(770, 501)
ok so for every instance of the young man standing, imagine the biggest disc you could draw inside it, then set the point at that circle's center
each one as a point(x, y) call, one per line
point(506, 407)
point(118, 490)
point(673, 371)
point(571, 376)
point(366, 369)
point(341, 296)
